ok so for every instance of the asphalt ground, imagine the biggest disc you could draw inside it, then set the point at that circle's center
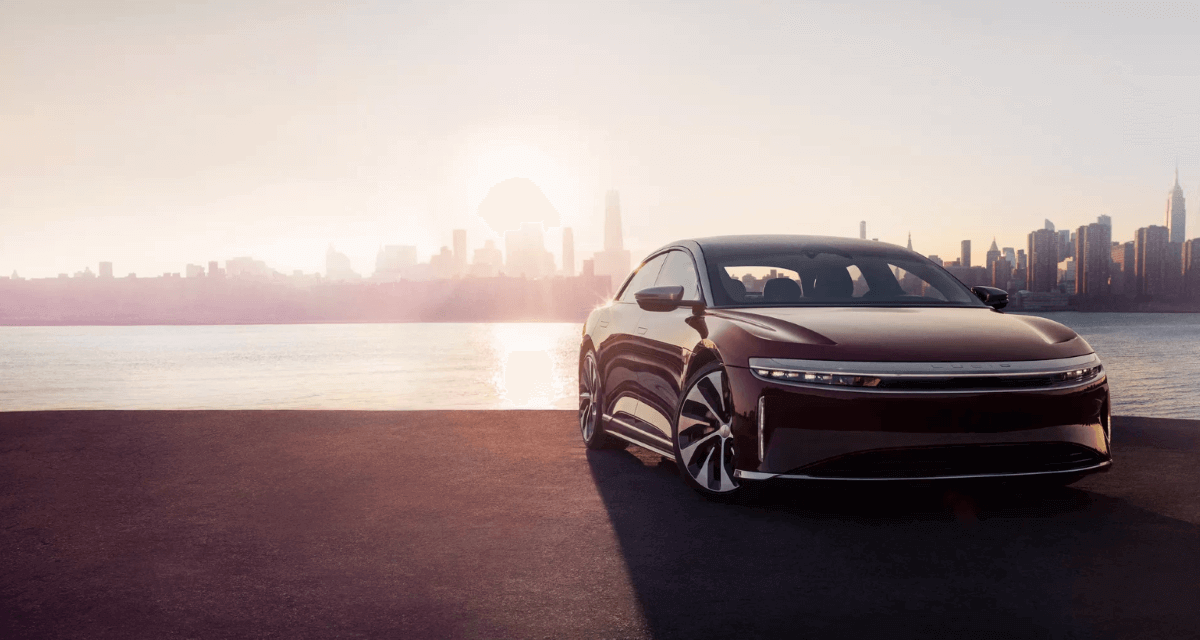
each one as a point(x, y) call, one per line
point(264, 524)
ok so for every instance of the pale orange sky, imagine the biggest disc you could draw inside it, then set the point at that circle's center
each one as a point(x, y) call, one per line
point(157, 134)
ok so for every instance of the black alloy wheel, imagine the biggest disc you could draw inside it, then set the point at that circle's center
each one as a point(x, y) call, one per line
point(591, 403)
point(702, 438)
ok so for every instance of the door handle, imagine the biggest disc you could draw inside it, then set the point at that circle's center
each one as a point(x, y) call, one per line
point(641, 331)
point(602, 324)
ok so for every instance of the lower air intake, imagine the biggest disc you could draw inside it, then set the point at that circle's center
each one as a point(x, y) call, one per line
point(957, 460)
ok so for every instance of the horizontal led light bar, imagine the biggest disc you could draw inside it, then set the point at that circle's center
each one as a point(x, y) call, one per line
point(819, 378)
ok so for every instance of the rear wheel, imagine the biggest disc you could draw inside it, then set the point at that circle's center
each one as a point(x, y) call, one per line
point(591, 399)
point(702, 437)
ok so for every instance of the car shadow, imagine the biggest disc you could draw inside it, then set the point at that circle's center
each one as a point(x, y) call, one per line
point(804, 561)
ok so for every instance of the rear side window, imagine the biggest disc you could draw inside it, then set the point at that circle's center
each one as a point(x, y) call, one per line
point(643, 279)
point(679, 270)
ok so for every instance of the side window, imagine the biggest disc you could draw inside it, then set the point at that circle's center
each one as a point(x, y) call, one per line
point(643, 279)
point(680, 271)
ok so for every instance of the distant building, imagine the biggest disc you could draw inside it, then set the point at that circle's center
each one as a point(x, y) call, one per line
point(443, 264)
point(1093, 253)
point(1121, 269)
point(394, 262)
point(106, 270)
point(213, 270)
point(1011, 256)
point(487, 261)
point(460, 251)
point(993, 254)
point(964, 259)
point(614, 260)
point(337, 266)
point(1021, 263)
point(1042, 271)
point(1001, 271)
point(936, 260)
point(1065, 246)
point(525, 252)
point(1191, 269)
point(194, 271)
point(1066, 275)
point(862, 230)
point(1150, 255)
point(1049, 225)
point(1173, 270)
point(568, 252)
point(587, 268)
point(1106, 221)
point(1176, 218)
point(247, 268)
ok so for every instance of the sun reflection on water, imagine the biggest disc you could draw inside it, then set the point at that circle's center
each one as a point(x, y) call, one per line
point(534, 371)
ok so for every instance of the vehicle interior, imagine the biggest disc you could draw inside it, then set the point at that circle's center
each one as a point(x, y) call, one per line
point(834, 279)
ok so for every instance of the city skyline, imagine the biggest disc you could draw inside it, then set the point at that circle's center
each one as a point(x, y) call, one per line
point(152, 136)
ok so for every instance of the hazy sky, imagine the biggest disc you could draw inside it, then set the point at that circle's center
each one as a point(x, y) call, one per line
point(155, 134)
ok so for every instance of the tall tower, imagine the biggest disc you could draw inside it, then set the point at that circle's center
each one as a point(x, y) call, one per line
point(1176, 215)
point(910, 241)
point(964, 259)
point(993, 254)
point(460, 251)
point(612, 222)
point(614, 260)
point(862, 230)
point(568, 254)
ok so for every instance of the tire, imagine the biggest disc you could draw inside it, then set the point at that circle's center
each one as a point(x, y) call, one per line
point(591, 401)
point(701, 438)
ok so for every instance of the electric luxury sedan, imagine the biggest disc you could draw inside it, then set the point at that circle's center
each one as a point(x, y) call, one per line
point(763, 358)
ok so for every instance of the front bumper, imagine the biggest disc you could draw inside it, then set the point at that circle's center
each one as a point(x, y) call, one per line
point(813, 433)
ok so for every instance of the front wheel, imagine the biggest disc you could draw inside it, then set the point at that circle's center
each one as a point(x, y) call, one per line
point(591, 399)
point(702, 436)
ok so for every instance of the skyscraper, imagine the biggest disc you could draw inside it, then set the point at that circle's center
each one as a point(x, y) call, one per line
point(1106, 221)
point(1176, 218)
point(614, 260)
point(1121, 269)
point(1191, 269)
point(525, 252)
point(1011, 256)
point(1093, 253)
point(1150, 252)
point(460, 251)
point(1049, 225)
point(964, 259)
point(993, 254)
point(106, 270)
point(862, 230)
point(1042, 274)
point(910, 241)
point(568, 252)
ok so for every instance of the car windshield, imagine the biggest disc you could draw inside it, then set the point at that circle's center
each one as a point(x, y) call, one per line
point(834, 278)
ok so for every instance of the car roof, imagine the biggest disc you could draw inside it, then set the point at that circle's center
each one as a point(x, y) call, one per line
point(717, 246)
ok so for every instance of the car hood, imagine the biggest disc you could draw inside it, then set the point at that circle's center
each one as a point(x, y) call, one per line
point(882, 334)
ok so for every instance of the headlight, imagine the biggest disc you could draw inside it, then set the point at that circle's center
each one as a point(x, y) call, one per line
point(818, 378)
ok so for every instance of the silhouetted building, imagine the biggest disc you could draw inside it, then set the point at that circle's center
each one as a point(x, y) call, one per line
point(213, 270)
point(1011, 256)
point(1001, 274)
point(1150, 253)
point(1066, 275)
point(1093, 253)
point(587, 268)
point(394, 262)
point(442, 265)
point(460, 251)
point(1021, 264)
point(1065, 247)
point(1191, 269)
point(1042, 272)
point(862, 230)
point(936, 260)
point(487, 261)
point(614, 261)
point(525, 252)
point(1173, 270)
point(568, 252)
point(1106, 221)
point(1049, 225)
point(964, 259)
point(194, 271)
point(1122, 269)
point(1176, 218)
point(106, 270)
point(993, 254)
point(337, 266)
point(247, 268)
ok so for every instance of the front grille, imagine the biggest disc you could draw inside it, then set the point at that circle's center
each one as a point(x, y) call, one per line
point(956, 460)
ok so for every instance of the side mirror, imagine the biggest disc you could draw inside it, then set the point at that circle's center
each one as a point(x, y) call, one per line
point(664, 299)
point(991, 296)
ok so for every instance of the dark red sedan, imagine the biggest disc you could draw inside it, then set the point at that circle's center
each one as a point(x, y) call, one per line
point(756, 358)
